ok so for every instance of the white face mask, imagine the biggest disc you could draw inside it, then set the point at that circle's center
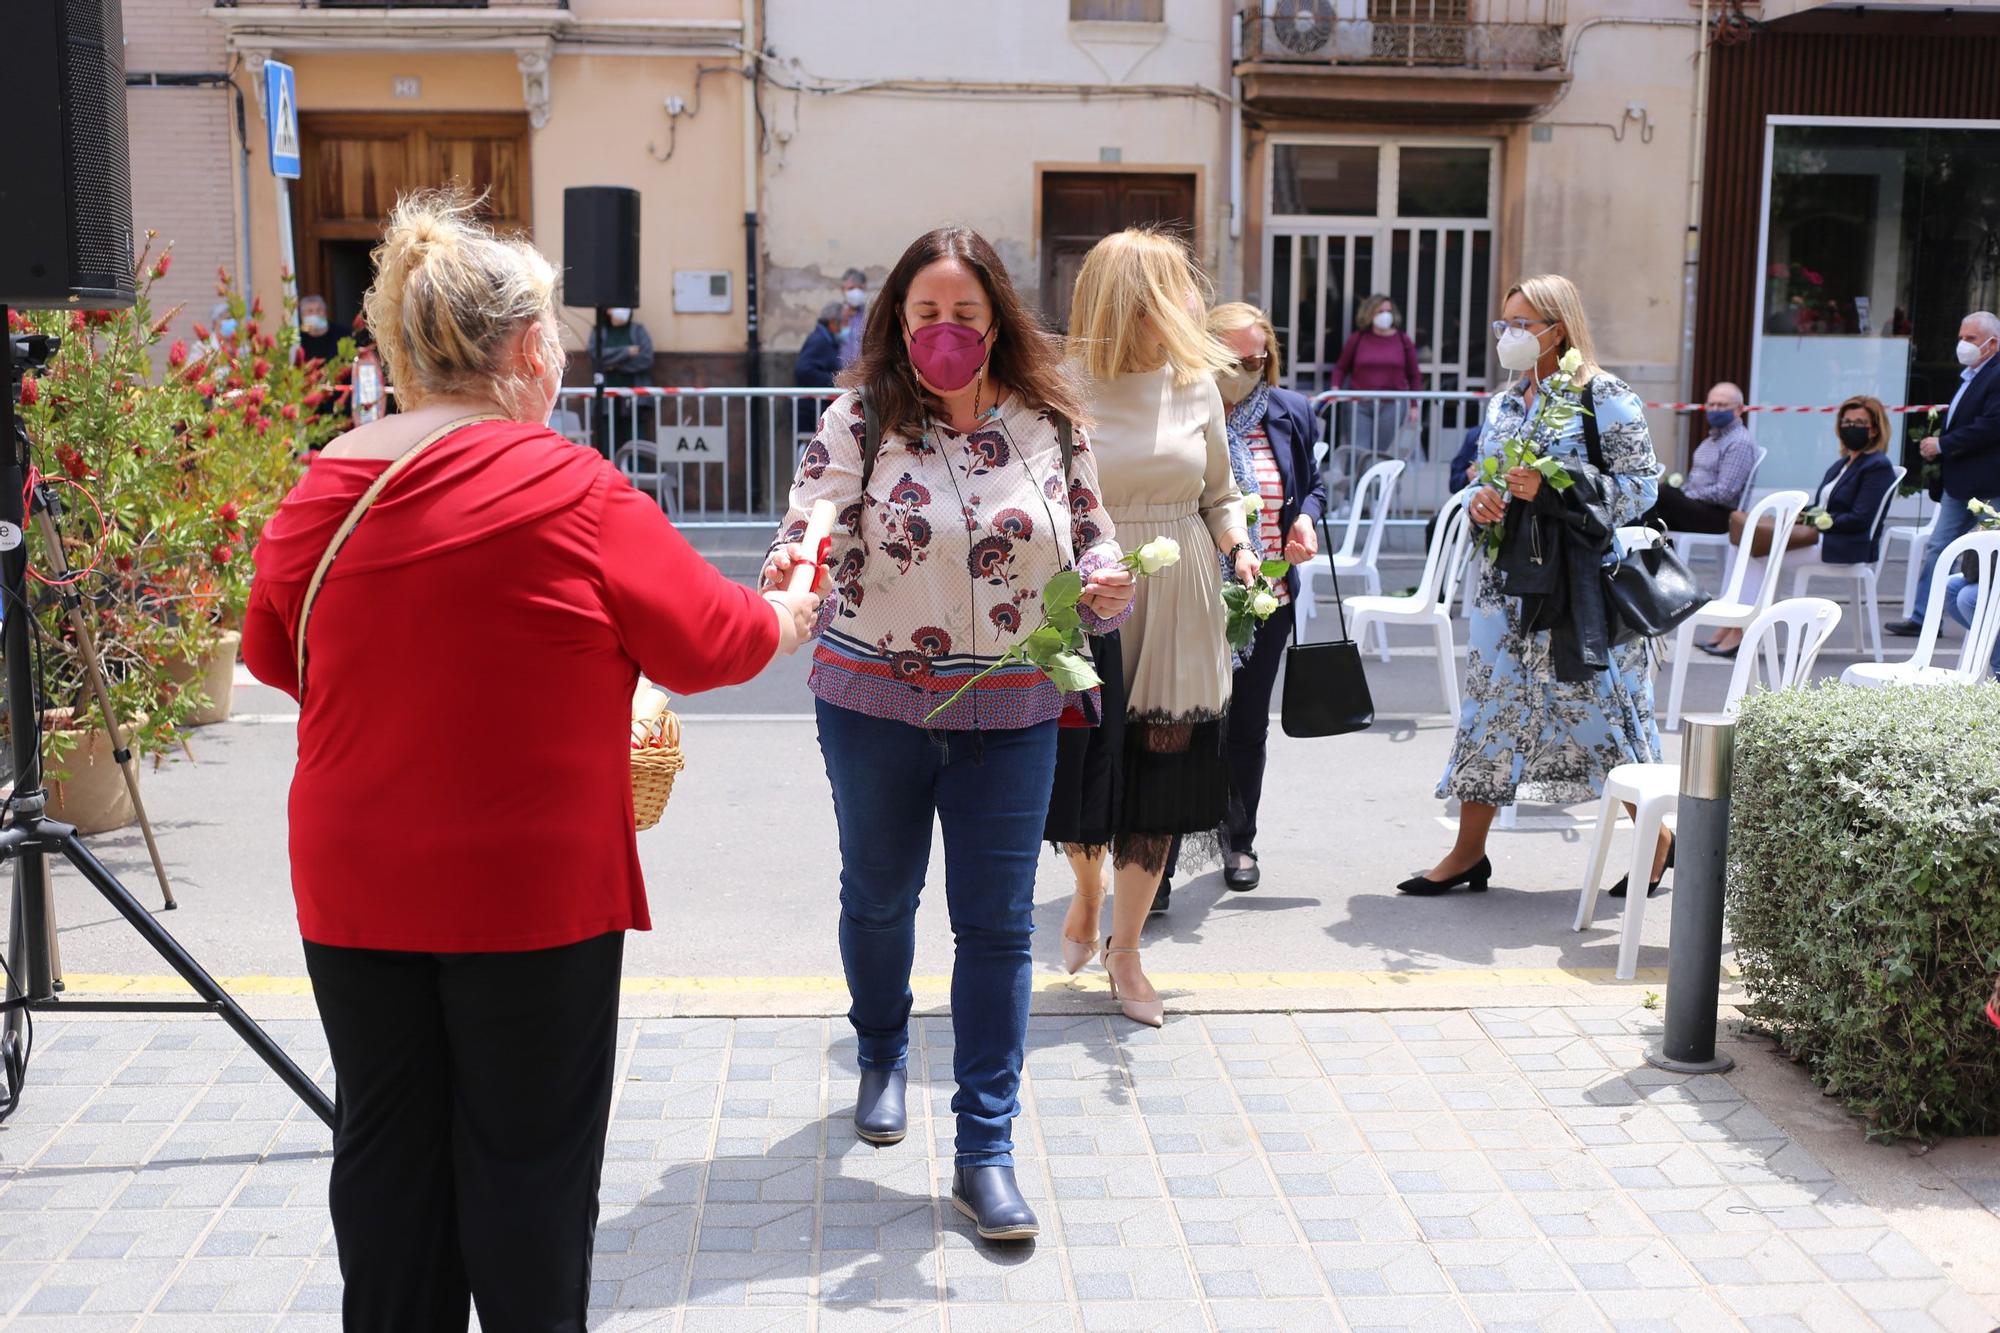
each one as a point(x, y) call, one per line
point(1968, 353)
point(1385, 320)
point(1519, 349)
point(856, 297)
point(620, 314)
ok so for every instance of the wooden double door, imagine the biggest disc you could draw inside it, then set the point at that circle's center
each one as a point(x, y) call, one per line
point(354, 167)
point(1081, 208)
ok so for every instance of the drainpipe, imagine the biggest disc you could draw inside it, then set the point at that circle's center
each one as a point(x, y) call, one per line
point(753, 41)
point(1697, 154)
point(1234, 280)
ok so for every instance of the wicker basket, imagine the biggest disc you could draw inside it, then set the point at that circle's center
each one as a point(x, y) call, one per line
point(656, 761)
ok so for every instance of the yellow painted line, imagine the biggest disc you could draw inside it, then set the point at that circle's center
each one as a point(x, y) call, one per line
point(86, 983)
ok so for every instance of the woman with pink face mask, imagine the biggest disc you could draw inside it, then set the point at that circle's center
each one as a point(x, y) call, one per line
point(963, 479)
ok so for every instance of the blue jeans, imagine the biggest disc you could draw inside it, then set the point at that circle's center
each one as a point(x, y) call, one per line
point(990, 792)
point(1954, 520)
point(1959, 596)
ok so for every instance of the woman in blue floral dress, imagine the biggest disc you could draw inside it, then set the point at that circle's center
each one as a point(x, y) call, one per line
point(1523, 734)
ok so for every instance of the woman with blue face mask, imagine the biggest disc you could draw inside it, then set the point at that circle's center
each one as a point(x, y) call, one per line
point(1717, 475)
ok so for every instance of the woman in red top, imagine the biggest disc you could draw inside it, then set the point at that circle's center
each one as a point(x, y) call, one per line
point(461, 817)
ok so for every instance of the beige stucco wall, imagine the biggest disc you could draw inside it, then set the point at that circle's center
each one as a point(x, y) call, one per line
point(854, 176)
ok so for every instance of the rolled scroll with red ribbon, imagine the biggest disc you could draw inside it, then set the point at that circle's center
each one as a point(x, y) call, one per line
point(818, 541)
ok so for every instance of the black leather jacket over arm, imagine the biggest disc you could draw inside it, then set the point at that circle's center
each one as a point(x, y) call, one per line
point(1551, 557)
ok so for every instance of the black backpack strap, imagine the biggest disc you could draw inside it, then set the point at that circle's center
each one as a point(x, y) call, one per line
point(871, 439)
point(1591, 440)
point(1065, 442)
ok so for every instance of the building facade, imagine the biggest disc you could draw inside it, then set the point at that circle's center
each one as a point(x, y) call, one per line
point(1673, 156)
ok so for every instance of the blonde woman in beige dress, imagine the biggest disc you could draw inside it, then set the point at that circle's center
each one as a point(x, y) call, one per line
point(1136, 333)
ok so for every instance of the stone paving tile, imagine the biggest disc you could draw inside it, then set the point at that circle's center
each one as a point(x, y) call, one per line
point(1504, 1168)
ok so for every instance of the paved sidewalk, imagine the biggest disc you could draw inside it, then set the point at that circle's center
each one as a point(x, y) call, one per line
point(1433, 1170)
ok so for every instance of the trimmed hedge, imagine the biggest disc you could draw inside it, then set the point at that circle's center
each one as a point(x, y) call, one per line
point(1864, 895)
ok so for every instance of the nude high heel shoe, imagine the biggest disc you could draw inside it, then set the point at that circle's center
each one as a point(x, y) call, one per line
point(1153, 1013)
point(1076, 956)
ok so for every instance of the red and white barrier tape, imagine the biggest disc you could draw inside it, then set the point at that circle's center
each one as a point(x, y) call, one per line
point(1766, 407)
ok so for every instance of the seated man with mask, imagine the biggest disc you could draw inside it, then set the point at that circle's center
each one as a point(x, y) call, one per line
point(1718, 473)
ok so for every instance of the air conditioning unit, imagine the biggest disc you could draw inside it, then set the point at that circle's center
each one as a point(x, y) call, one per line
point(1322, 29)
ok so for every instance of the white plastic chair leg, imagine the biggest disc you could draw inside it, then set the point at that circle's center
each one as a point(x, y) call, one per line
point(1447, 667)
point(1645, 840)
point(1600, 851)
point(1683, 647)
point(1508, 818)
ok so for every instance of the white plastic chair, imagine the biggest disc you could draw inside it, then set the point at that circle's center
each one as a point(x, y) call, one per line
point(1370, 508)
point(1860, 579)
point(1691, 542)
point(1976, 655)
point(1738, 606)
point(1653, 790)
point(1442, 566)
point(1918, 538)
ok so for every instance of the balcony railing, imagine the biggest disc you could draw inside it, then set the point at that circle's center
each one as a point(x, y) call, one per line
point(391, 4)
point(1466, 34)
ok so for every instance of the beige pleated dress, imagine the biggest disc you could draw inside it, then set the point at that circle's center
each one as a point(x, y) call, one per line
point(1163, 467)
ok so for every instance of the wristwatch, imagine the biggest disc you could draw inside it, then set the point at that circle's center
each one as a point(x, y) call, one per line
point(1241, 546)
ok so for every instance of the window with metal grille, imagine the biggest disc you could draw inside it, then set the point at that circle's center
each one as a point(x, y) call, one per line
point(1117, 11)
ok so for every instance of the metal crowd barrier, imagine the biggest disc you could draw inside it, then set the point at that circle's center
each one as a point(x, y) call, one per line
point(1362, 428)
point(724, 457)
point(714, 458)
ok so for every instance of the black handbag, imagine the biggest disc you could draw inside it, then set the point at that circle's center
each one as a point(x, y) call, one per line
point(1326, 690)
point(1650, 591)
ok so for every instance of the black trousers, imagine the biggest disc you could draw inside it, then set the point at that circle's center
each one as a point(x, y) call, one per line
point(472, 1096)
point(1681, 514)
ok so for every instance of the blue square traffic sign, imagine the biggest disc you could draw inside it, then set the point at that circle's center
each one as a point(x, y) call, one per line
point(281, 118)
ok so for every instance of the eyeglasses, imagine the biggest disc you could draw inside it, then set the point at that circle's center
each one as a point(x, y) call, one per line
point(1502, 325)
point(1254, 364)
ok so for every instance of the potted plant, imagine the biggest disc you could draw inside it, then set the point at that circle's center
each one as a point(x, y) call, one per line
point(166, 461)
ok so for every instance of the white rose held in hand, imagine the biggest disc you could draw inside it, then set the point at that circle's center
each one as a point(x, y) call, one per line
point(1262, 604)
point(1154, 556)
point(1823, 521)
point(1677, 480)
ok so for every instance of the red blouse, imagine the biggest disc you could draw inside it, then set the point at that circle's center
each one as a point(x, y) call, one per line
point(463, 782)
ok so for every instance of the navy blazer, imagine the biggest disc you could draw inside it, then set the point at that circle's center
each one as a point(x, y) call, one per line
point(1969, 446)
point(1853, 503)
point(819, 360)
point(1293, 430)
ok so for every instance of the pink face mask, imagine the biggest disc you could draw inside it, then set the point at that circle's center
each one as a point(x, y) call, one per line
point(947, 355)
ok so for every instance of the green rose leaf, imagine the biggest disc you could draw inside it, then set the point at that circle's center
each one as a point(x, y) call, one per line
point(1275, 569)
point(1062, 590)
point(1072, 672)
point(1064, 618)
point(1042, 646)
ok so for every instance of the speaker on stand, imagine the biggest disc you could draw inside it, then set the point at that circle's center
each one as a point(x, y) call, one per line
point(601, 269)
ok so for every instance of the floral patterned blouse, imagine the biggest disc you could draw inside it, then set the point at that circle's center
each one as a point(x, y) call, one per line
point(938, 569)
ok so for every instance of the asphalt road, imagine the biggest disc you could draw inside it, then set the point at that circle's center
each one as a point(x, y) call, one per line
point(743, 870)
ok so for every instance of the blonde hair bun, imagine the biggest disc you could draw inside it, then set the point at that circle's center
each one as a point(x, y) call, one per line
point(449, 294)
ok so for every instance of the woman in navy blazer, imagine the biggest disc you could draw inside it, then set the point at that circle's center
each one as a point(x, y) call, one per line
point(1850, 494)
point(1272, 434)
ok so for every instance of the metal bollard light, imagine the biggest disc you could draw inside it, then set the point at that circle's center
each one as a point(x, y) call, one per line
point(1694, 965)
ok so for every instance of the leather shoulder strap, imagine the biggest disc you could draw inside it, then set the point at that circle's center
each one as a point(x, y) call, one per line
point(1591, 440)
point(353, 519)
point(1065, 442)
point(871, 439)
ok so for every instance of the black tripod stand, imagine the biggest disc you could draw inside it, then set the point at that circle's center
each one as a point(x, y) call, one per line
point(29, 837)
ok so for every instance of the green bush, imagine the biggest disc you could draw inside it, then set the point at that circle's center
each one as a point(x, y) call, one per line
point(1864, 896)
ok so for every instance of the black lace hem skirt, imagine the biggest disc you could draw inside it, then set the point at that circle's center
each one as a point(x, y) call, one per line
point(1085, 802)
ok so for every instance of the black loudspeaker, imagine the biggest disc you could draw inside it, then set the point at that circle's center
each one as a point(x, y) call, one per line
point(65, 179)
point(600, 245)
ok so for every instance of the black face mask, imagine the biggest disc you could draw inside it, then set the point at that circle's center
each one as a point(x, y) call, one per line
point(1856, 438)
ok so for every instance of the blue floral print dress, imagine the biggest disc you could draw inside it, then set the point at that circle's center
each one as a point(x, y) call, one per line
point(1523, 735)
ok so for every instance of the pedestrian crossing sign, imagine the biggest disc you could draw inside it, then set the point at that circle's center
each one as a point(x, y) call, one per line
point(281, 118)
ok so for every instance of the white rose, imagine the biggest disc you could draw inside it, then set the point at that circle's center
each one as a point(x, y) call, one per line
point(1158, 554)
point(1571, 362)
point(1677, 481)
point(1253, 503)
point(1262, 604)
point(1823, 520)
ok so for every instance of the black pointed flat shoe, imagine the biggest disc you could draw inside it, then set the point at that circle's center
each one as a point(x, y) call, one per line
point(1473, 880)
point(1241, 881)
point(989, 1196)
point(879, 1112)
point(1713, 651)
point(1624, 881)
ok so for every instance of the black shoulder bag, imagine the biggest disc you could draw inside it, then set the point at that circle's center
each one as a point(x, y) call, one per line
point(1326, 691)
point(1651, 590)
